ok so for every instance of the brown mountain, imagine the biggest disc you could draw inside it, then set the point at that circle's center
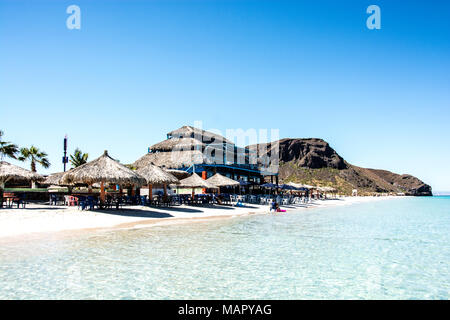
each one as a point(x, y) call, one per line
point(313, 161)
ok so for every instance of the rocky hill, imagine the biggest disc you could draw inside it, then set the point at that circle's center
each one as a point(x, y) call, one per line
point(314, 162)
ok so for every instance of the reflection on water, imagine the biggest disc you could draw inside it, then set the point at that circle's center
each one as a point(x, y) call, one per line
point(381, 250)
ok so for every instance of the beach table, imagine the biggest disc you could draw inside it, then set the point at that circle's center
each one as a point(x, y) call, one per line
point(9, 200)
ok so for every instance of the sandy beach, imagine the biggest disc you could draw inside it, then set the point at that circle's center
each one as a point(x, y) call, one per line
point(38, 219)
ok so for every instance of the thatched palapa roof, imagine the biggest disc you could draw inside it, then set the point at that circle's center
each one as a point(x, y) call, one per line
point(183, 144)
point(194, 181)
point(203, 135)
point(56, 188)
point(299, 185)
point(54, 179)
point(221, 181)
point(103, 169)
point(326, 189)
point(156, 176)
point(173, 159)
point(10, 172)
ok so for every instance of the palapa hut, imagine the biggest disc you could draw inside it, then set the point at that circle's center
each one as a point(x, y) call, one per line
point(54, 183)
point(194, 181)
point(54, 179)
point(10, 172)
point(156, 176)
point(299, 185)
point(13, 173)
point(326, 190)
point(104, 170)
point(221, 181)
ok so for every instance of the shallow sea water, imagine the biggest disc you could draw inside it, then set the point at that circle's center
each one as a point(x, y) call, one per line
point(393, 249)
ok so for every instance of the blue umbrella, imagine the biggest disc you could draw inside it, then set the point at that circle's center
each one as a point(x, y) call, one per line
point(287, 187)
point(269, 185)
point(244, 183)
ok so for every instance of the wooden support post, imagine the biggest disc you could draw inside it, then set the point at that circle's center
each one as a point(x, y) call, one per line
point(2, 187)
point(165, 192)
point(204, 178)
point(102, 192)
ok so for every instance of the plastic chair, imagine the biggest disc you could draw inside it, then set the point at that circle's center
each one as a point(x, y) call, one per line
point(119, 203)
point(20, 200)
point(53, 199)
point(92, 202)
point(82, 203)
point(74, 200)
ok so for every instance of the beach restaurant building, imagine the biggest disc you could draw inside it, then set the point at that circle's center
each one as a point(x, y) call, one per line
point(205, 153)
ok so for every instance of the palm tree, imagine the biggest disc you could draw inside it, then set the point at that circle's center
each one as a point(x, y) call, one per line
point(131, 167)
point(78, 158)
point(7, 149)
point(35, 156)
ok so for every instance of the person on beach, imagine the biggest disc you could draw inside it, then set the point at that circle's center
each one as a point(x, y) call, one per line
point(273, 205)
point(278, 209)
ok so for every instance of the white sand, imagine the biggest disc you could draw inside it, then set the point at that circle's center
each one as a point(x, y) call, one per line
point(35, 219)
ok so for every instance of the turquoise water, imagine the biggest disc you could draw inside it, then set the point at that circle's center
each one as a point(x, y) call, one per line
point(394, 249)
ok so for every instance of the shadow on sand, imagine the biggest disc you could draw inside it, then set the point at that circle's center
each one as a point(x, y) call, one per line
point(138, 213)
point(32, 208)
point(165, 212)
point(215, 206)
point(179, 209)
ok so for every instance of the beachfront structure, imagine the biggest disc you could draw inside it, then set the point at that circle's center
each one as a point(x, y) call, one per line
point(195, 150)
point(220, 181)
point(104, 170)
point(155, 176)
point(12, 173)
point(54, 179)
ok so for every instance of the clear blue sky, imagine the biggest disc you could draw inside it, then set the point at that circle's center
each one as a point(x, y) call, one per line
point(138, 69)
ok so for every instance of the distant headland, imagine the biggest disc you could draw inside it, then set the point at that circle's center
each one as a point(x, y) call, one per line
point(312, 161)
